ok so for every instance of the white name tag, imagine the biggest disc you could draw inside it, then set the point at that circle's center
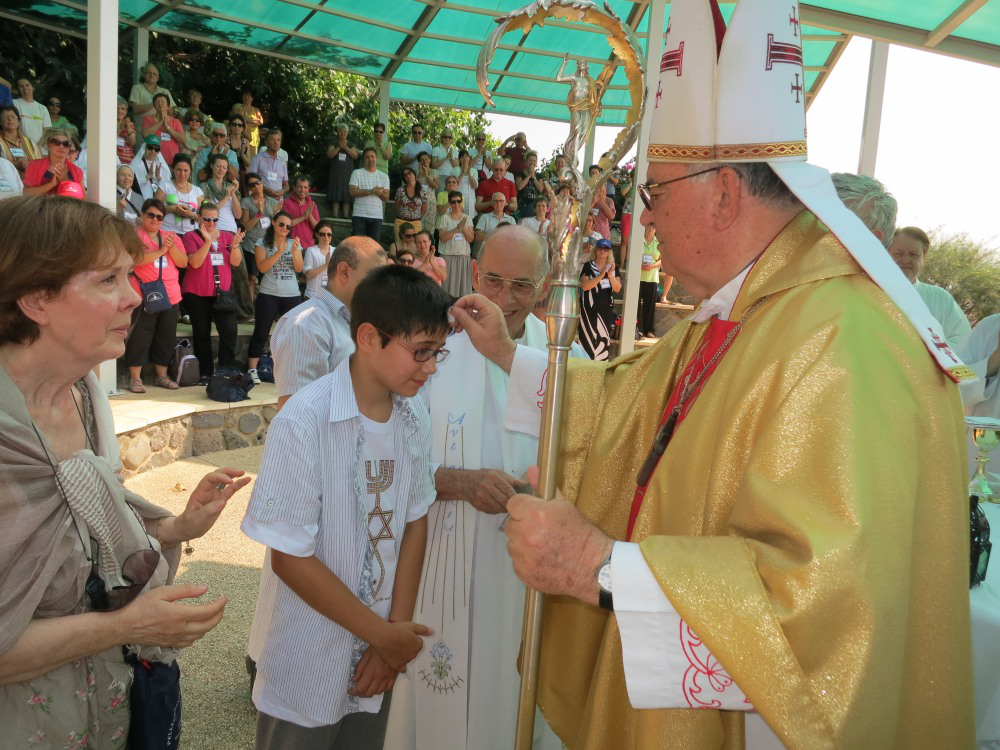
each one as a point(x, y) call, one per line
point(605, 284)
point(217, 259)
point(342, 156)
point(265, 222)
point(161, 262)
point(17, 153)
point(647, 259)
point(164, 137)
point(459, 237)
point(121, 143)
point(272, 175)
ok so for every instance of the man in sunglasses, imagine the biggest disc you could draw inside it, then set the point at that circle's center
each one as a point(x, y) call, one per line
point(414, 147)
point(765, 523)
point(480, 460)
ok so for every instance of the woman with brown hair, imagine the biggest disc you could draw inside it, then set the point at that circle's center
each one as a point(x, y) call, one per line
point(15, 146)
point(412, 201)
point(85, 564)
point(153, 333)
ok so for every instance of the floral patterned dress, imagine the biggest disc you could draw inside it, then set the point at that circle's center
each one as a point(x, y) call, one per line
point(82, 704)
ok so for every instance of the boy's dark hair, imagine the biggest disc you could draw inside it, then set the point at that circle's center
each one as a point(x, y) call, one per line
point(401, 302)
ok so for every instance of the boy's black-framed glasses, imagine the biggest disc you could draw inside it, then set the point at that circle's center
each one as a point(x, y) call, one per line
point(419, 355)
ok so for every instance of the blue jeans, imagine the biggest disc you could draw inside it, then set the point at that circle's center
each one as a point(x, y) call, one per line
point(365, 227)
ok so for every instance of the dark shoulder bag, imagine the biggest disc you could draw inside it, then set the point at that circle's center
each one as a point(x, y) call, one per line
point(225, 299)
point(156, 705)
point(154, 293)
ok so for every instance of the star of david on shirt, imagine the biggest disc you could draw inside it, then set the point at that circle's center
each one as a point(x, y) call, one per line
point(378, 483)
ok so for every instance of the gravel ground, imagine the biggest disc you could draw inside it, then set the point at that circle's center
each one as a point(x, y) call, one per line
point(217, 711)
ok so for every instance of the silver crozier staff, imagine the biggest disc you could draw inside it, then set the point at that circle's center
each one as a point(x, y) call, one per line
point(566, 251)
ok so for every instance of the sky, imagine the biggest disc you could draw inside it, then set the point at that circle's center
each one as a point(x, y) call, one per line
point(934, 107)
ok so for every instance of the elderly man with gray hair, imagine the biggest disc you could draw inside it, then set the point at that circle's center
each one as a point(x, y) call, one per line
point(869, 200)
point(489, 223)
point(478, 606)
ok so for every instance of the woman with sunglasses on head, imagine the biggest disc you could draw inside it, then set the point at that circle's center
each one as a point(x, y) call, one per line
point(412, 201)
point(15, 146)
point(153, 335)
point(86, 564)
point(317, 258)
point(43, 176)
point(213, 256)
point(455, 235)
point(279, 258)
point(407, 241)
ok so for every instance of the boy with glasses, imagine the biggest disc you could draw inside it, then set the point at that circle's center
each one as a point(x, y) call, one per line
point(337, 595)
point(414, 147)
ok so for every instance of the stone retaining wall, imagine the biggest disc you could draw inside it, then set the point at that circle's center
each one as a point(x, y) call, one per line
point(203, 432)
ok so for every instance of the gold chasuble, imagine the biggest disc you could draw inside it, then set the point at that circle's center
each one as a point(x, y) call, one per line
point(808, 521)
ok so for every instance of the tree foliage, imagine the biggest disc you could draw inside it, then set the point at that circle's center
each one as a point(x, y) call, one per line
point(969, 270)
point(304, 101)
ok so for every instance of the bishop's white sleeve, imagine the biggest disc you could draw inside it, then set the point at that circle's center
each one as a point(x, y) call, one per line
point(666, 664)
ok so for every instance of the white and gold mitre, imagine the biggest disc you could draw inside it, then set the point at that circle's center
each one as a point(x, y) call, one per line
point(738, 94)
point(730, 94)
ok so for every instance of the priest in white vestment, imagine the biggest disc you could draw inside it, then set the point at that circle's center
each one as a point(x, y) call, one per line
point(982, 353)
point(909, 249)
point(461, 692)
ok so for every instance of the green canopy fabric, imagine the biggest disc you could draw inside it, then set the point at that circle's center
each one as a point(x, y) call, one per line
point(427, 49)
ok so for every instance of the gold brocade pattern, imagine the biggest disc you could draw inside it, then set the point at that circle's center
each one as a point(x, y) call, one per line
point(808, 521)
point(727, 151)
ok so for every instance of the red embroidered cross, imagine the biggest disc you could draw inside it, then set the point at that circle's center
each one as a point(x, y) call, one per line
point(673, 60)
point(942, 345)
point(797, 89)
point(782, 52)
point(659, 93)
point(793, 21)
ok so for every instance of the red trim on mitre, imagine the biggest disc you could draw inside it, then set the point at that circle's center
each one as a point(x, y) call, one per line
point(720, 26)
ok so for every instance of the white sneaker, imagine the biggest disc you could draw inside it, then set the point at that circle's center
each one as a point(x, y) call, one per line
point(252, 374)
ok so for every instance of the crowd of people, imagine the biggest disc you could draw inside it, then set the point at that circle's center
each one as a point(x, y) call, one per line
point(706, 594)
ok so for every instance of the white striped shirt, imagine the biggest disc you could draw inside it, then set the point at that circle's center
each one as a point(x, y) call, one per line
point(309, 341)
point(312, 482)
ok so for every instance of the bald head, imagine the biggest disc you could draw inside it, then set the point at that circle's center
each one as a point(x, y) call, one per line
point(350, 263)
point(514, 254)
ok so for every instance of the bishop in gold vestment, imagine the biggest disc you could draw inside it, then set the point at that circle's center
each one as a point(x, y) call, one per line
point(807, 521)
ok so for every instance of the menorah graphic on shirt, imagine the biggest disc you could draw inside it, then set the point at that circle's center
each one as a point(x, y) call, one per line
point(378, 484)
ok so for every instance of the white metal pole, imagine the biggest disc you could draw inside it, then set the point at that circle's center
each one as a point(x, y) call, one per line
point(102, 95)
point(140, 52)
point(383, 104)
point(877, 67)
point(633, 260)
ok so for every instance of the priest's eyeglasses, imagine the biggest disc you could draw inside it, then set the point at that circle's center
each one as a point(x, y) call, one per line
point(420, 355)
point(491, 284)
point(644, 188)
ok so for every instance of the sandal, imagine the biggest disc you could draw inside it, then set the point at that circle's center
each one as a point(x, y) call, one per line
point(135, 385)
point(167, 383)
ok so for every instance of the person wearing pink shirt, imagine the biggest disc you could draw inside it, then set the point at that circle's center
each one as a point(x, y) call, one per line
point(152, 336)
point(211, 254)
point(169, 129)
point(301, 207)
point(426, 261)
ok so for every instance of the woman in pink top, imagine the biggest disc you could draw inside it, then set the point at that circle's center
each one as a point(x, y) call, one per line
point(168, 128)
point(211, 253)
point(426, 261)
point(153, 335)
